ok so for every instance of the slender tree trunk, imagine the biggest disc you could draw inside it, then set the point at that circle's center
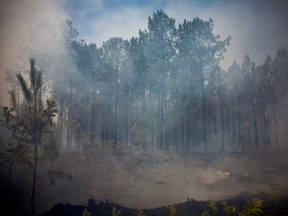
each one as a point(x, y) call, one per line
point(115, 138)
point(222, 120)
point(255, 125)
point(275, 126)
point(69, 132)
point(93, 109)
point(10, 168)
point(233, 135)
point(35, 157)
point(143, 98)
point(203, 116)
point(126, 116)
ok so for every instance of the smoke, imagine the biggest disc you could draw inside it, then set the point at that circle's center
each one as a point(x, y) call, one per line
point(98, 21)
point(138, 179)
point(257, 28)
point(147, 180)
point(17, 16)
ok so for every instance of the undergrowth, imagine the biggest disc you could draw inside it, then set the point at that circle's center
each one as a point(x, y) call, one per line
point(254, 207)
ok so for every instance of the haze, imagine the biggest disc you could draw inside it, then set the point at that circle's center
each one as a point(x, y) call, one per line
point(141, 110)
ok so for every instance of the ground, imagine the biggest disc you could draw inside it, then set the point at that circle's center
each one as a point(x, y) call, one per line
point(190, 207)
point(136, 179)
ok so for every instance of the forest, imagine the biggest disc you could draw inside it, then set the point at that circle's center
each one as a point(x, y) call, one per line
point(162, 92)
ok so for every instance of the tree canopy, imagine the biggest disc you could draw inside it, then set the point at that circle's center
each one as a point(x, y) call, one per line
point(163, 89)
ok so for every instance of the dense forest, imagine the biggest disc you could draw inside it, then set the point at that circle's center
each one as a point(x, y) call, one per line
point(162, 90)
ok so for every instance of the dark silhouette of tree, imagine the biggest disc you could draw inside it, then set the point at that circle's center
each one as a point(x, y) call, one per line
point(201, 51)
point(115, 53)
point(164, 87)
point(35, 123)
point(161, 36)
point(14, 146)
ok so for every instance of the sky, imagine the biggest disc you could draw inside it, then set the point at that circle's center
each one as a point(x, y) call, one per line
point(257, 27)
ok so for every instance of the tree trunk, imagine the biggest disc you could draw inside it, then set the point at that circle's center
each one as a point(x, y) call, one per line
point(35, 157)
point(255, 125)
point(222, 120)
point(115, 137)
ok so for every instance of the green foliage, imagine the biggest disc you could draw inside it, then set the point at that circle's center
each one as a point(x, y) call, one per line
point(213, 206)
point(213, 209)
point(229, 210)
point(205, 213)
point(172, 210)
point(116, 212)
point(139, 212)
point(86, 212)
point(253, 208)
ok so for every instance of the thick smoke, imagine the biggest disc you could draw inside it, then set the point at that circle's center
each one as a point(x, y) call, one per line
point(147, 180)
point(17, 17)
point(140, 180)
point(131, 177)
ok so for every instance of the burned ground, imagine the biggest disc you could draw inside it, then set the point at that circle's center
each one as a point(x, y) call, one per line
point(154, 180)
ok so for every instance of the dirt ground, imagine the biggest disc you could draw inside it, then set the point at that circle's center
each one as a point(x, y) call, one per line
point(149, 180)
